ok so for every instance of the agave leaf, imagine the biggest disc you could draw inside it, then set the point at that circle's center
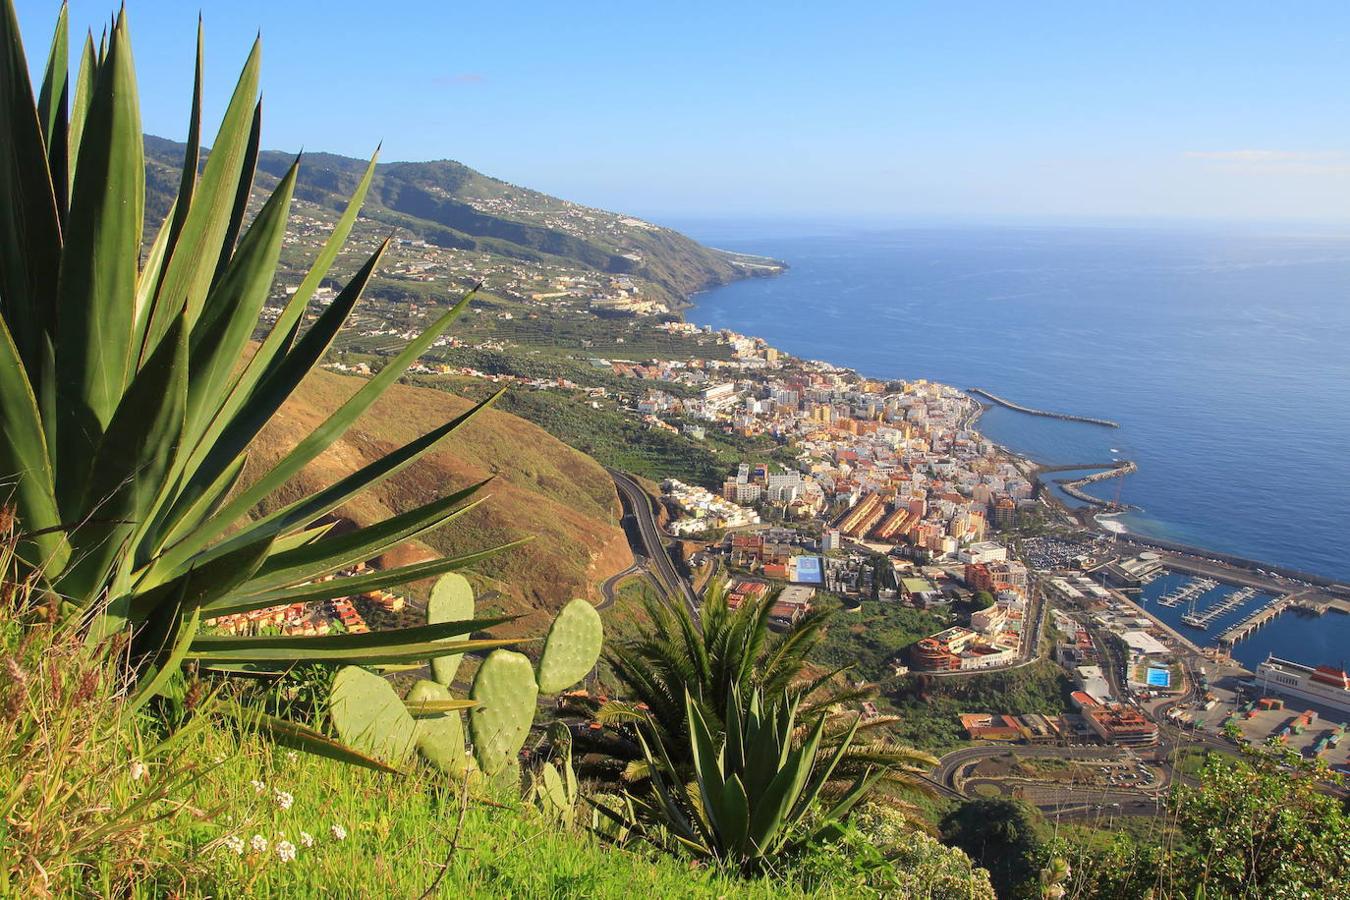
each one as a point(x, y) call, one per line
point(733, 814)
point(674, 818)
point(373, 648)
point(99, 270)
point(204, 583)
point(154, 680)
point(79, 107)
point(129, 464)
point(322, 437)
point(303, 537)
point(247, 173)
point(820, 778)
point(25, 467)
point(772, 808)
point(30, 233)
point(707, 763)
point(430, 709)
point(278, 341)
point(231, 310)
point(192, 263)
point(148, 282)
point(301, 737)
point(187, 183)
point(243, 601)
point(330, 554)
point(325, 501)
point(53, 100)
point(233, 438)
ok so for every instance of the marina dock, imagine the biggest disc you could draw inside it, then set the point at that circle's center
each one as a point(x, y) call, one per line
point(1067, 417)
point(1234, 600)
point(1187, 591)
point(1261, 617)
point(1312, 603)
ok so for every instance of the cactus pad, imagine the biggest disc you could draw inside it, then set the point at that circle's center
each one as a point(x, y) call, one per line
point(370, 717)
point(440, 739)
point(506, 693)
point(451, 601)
point(572, 648)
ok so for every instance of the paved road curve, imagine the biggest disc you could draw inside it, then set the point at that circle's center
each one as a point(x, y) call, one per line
point(638, 504)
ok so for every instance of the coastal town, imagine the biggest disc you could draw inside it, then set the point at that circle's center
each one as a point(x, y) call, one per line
point(821, 486)
point(866, 491)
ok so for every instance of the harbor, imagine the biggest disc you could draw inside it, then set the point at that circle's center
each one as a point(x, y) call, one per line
point(1254, 621)
point(1074, 486)
point(1187, 592)
point(1235, 600)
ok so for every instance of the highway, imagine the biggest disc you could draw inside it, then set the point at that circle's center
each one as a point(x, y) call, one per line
point(1061, 798)
point(638, 504)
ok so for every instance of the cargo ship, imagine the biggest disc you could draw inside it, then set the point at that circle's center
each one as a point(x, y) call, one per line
point(1328, 686)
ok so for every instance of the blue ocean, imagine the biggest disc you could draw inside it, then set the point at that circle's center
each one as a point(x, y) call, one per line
point(1224, 354)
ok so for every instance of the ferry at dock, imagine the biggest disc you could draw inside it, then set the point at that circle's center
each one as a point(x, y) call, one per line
point(1328, 686)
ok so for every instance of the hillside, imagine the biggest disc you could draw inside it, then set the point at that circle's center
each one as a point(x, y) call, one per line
point(542, 488)
point(448, 205)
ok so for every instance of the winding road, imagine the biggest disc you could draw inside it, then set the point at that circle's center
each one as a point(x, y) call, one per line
point(638, 504)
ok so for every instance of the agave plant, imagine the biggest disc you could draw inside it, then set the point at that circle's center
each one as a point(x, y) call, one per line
point(724, 649)
point(757, 790)
point(128, 399)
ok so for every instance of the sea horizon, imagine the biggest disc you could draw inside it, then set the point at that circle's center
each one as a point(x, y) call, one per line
point(1212, 349)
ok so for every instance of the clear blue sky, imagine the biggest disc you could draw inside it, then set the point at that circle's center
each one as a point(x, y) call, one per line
point(902, 109)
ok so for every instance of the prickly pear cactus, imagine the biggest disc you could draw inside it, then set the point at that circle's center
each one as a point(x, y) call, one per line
point(550, 793)
point(440, 739)
point(572, 648)
point(451, 601)
point(370, 717)
point(505, 691)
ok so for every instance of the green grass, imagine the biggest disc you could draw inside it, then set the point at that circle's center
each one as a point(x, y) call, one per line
point(399, 833)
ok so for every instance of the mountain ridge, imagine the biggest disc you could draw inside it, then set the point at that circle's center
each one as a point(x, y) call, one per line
point(450, 205)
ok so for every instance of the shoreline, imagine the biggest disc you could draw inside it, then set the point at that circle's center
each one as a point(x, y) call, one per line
point(1086, 514)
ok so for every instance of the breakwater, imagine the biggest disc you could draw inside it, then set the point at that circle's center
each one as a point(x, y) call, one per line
point(1031, 411)
point(1074, 487)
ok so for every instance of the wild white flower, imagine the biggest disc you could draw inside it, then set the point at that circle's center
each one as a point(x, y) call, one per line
point(284, 799)
point(258, 843)
point(306, 839)
point(218, 758)
point(292, 756)
point(235, 844)
point(339, 833)
point(285, 851)
point(258, 786)
point(137, 770)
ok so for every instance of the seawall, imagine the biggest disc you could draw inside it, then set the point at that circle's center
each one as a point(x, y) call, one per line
point(1031, 411)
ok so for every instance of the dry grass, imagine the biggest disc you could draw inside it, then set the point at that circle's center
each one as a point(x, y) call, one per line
point(542, 488)
point(83, 791)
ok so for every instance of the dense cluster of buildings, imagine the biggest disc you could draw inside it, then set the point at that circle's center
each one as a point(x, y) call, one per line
point(789, 605)
point(339, 615)
point(895, 463)
point(703, 510)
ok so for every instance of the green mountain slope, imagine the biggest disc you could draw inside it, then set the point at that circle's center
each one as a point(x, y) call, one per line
point(449, 205)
